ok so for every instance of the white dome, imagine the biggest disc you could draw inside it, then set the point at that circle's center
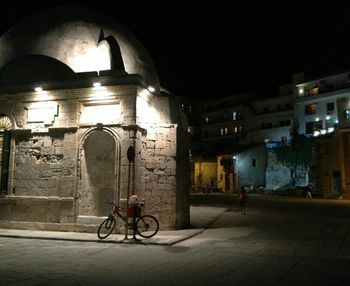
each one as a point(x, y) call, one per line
point(81, 38)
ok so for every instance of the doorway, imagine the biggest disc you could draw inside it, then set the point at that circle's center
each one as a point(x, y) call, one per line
point(5, 126)
point(98, 173)
point(337, 183)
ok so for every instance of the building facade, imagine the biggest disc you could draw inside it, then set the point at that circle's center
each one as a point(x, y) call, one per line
point(83, 120)
point(232, 146)
point(322, 109)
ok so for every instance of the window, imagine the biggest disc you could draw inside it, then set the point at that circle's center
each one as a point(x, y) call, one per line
point(310, 109)
point(223, 131)
point(330, 107)
point(253, 162)
point(312, 126)
point(312, 91)
point(206, 119)
point(234, 115)
point(347, 114)
point(284, 122)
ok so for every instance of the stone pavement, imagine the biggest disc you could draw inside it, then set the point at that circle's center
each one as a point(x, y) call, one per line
point(201, 217)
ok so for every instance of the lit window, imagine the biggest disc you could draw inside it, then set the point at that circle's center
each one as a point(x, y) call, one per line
point(313, 91)
point(234, 115)
point(301, 91)
point(347, 114)
point(222, 131)
point(310, 109)
point(207, 119)
point(311, 127)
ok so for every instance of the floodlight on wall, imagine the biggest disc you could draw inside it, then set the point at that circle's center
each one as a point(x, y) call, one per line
point(151, 88)
point(301, 91)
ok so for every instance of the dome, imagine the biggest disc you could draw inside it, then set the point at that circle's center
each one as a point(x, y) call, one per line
point(37, 68)
point(82, 39)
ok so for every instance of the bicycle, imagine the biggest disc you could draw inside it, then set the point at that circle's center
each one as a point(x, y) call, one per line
point(144, 225)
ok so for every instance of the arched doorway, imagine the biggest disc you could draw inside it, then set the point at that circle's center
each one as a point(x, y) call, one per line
point(98, 174)
point(5, 126)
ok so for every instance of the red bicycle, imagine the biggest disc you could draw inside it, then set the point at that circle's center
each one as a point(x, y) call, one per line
point(144, 225)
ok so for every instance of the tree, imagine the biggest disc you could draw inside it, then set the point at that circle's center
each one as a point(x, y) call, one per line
point(296, 154)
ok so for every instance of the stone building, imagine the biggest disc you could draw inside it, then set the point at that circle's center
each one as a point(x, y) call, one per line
point(77, 91)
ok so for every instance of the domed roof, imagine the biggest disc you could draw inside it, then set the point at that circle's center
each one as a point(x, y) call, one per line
point(83, 39)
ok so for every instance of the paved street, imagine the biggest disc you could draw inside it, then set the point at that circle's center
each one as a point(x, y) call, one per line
point(279, 241)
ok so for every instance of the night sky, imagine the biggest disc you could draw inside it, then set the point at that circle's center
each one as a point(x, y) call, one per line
point(223, 48)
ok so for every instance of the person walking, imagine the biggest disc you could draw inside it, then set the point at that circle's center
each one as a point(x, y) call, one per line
point(242, 200)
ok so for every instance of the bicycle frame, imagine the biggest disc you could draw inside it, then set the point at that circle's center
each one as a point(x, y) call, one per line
point(117, 211)
point(144, 225)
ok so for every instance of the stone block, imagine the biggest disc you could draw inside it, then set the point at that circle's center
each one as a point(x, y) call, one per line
point(151, 135)
point(47, 150)
point(69, 163)
point(58, 150)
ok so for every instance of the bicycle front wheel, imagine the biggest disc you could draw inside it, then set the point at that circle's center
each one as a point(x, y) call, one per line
point(106, 227)
point(147, 226)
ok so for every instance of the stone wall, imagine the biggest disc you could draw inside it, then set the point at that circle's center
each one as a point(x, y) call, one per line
point(54, 181)
point(45, 165)
point(158, 155)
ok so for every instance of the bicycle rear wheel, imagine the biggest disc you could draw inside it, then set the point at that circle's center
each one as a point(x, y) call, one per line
point(106, 227)
point(147, 226)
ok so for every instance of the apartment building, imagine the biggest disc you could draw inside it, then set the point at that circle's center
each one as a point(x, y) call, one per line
point(233, 138)
point(323, 113)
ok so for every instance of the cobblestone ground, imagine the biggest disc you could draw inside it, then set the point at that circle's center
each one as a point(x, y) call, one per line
point(281, 242)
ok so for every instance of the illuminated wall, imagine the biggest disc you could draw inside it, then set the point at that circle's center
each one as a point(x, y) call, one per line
point(205, 172)
point(55, 144)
